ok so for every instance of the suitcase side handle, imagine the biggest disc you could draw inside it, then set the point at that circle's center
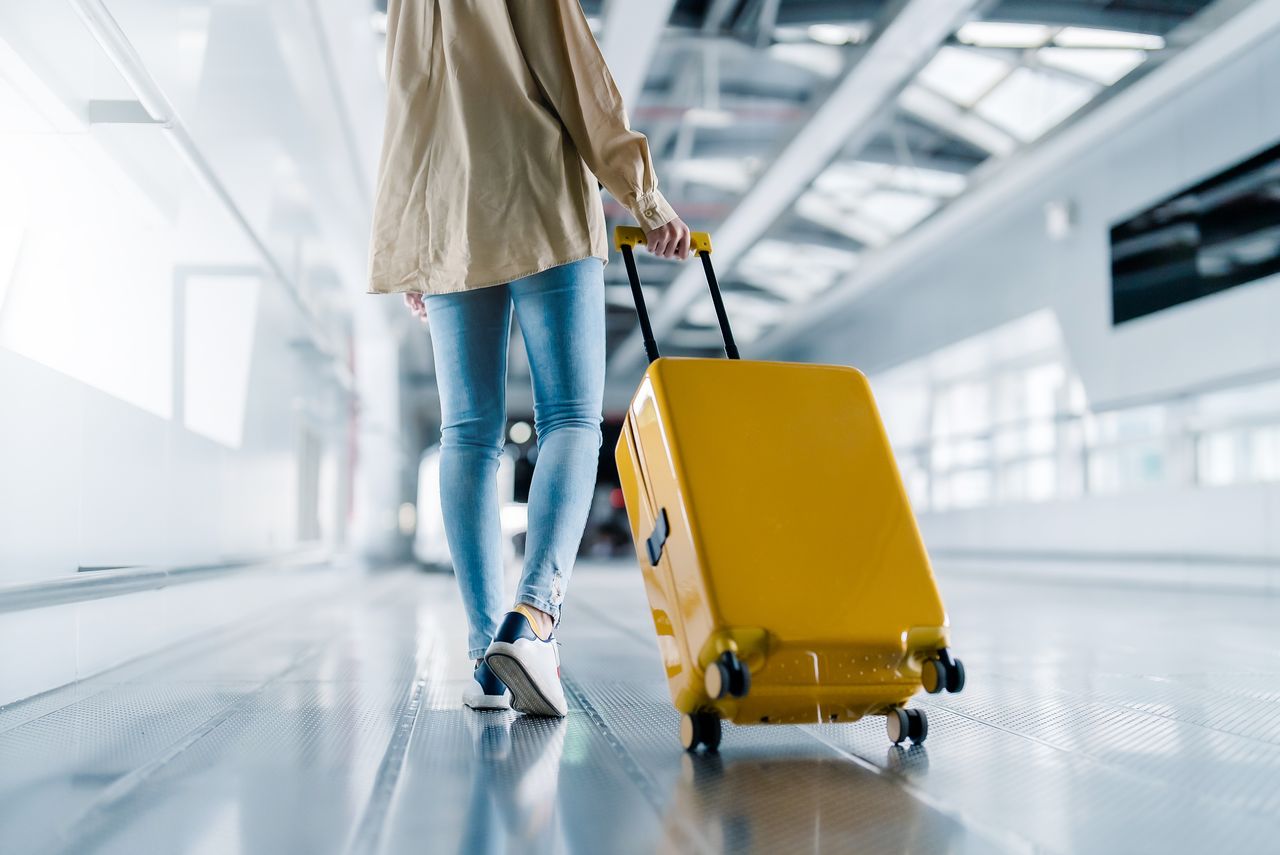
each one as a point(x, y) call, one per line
point(626, 238)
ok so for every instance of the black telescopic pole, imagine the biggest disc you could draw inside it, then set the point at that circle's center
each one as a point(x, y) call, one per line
point(650, 346)
point(730, 347)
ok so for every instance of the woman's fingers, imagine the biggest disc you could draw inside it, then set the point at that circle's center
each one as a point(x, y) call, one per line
point(669, 241)
point(417, 306)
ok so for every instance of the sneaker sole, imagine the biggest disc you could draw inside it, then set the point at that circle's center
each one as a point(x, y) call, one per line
point(526, 695)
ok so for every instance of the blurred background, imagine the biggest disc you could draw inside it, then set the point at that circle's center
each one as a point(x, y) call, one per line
point(1048, 231)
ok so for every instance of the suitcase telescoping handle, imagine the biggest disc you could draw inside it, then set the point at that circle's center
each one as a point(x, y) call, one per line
point(626, 238)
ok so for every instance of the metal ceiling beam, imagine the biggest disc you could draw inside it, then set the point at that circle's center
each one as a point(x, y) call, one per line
point(631, 34)
point(942, 113)
point(717, 15)
point(767, 21)
point(900, 49)
point(1035, 165)
point(831, 11)
point(685, 78)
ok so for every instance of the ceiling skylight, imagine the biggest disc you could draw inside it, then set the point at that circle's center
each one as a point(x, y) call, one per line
point(874, 202)
point(930, 182)
point(897, 211)
point(1105, 66)
point(733, 174)
point(947, 116)
point(821, 209)
point(1030, 102)
point(843, 179)
point(794, 272)
point(964, 75)
point(998, 34)
point(998, 86)
point(751, 314)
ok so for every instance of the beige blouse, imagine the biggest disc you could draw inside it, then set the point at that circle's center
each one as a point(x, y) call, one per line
point(498, 114)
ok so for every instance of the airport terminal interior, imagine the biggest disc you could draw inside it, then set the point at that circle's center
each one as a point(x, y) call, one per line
point(1047, 232)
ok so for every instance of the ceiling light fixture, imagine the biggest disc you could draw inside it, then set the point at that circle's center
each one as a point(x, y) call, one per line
point(1088, 37)
point(999, 34)
point(838, 34)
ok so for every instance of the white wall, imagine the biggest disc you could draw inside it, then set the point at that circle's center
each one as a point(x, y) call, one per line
point(41, 649)
point(1219, 538)
point(1239, 522)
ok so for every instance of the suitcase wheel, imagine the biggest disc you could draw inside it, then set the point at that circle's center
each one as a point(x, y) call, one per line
point(902, 725)
point(933, 676)
point(942, 673)
point(727, 676)
point(700, 729)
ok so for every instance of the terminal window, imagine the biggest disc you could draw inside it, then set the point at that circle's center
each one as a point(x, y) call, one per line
point(1223, 232)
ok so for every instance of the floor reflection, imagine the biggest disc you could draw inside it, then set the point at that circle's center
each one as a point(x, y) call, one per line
point(513, 806)
point(803, 805)
point(911, 760)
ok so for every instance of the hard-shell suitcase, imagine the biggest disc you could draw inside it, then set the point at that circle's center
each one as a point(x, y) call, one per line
point(785, 573)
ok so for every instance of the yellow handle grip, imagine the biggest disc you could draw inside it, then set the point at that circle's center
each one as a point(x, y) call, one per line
point(633, 236)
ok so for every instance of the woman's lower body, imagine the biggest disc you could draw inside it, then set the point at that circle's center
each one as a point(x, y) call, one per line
point(561, 316)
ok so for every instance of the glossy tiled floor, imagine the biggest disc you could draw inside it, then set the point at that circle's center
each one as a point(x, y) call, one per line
point(1097, 720)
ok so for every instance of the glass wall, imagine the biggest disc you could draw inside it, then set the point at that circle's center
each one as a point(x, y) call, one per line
point(1003, 418)
point(174, 305)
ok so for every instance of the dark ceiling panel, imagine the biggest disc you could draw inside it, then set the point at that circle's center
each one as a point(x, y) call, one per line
point(1142, 16)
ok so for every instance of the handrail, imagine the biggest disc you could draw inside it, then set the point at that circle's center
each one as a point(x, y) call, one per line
point(1197, 426)
point(99, 584)
point(1241, 380)
point(1195, 431)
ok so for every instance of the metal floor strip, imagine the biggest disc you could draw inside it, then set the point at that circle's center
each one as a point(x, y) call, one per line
point(633, 770)
point(368, 833)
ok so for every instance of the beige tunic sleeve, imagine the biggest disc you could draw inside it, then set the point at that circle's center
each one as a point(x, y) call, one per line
point(565, 60)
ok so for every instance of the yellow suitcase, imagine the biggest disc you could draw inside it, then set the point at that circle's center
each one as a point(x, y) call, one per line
point(785, 573)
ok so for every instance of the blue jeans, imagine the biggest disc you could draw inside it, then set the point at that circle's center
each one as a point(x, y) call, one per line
point(561, 314)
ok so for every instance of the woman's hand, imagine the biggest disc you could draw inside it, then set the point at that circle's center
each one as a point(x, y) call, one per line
point(417, 306)
point(669, 241)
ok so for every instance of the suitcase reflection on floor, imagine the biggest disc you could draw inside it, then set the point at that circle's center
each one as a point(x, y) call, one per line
point(802, 806)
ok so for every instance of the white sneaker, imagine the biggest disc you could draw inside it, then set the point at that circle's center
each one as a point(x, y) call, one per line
point(486, 691)
point(529, 665)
